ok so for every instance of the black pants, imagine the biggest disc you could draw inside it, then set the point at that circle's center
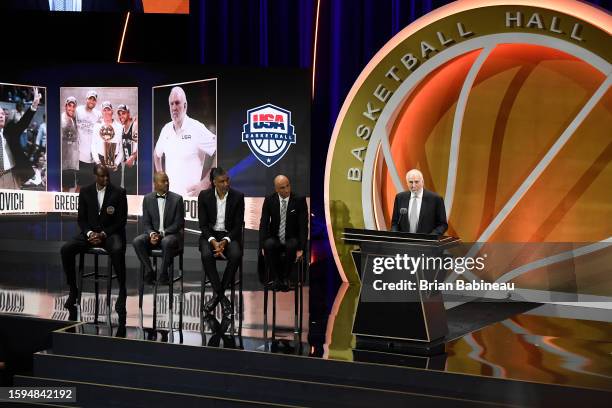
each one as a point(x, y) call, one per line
point(170, 245)
point(69, 178)
point(280, 267)
point(114, 245)
point(233, 253)
point(130, 178)
point(85, 175)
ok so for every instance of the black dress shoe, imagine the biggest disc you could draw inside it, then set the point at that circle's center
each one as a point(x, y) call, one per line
point(226, 306)
point(72, 299)
point(211, 304)
point(150, 278)
point(164, 279)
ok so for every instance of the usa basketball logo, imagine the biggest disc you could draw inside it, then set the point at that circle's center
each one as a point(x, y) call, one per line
point(268, 133)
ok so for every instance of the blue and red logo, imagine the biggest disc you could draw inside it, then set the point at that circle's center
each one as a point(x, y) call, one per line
point(268, 133)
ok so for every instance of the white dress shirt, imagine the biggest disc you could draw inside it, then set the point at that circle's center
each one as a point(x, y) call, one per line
point(161, 206)
point(100, 197)
point(220, 221)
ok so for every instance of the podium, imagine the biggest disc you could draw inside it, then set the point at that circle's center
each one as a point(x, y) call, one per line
point(407, 314)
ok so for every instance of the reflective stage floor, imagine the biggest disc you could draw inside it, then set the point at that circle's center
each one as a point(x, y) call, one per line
point(559, 345)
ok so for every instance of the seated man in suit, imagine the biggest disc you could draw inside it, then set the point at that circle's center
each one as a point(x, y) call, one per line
point(102, 217)
point(221, 215)
point(283, 228)
point(418, 210)
point(163, 215)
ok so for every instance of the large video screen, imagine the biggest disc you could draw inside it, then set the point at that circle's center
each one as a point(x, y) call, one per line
point(138, 119)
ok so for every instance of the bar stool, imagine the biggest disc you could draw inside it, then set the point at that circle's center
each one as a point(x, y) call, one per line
point(155, 254)
point(298, 298)
point(96, 277)
point(237, 283)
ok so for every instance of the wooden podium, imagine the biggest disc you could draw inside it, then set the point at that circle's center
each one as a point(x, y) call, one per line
point(404, 320)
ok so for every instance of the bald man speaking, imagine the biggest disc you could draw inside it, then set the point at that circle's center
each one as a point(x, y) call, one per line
point(418, 210)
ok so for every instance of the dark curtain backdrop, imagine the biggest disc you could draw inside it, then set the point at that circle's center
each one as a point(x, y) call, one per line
point(281, 33)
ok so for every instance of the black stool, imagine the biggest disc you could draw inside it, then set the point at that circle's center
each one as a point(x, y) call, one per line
point(155, 254)
point(96, 277)
point(237, 282)
point(298, 299)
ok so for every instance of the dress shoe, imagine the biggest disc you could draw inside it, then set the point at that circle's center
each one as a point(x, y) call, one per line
point(72, 299)
point(164, 279)
point(150, 278)
point(211, 304)
point(226, 306)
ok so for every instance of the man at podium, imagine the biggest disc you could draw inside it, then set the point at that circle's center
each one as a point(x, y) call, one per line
point(418, 210)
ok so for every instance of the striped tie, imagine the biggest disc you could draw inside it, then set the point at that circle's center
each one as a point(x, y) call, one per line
point(283, 221)
point(413, 218)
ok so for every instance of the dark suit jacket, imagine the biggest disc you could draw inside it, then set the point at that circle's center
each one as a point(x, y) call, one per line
point(88, 5)
point(174, 214)
point(12, 133)
point(296, 223)
point(113, 216)
point(432, 218)
point(234, 213)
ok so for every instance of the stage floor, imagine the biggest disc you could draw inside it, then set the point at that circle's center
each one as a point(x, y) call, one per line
point(549, 344)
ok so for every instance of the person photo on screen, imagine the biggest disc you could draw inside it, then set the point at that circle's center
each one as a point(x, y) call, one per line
point(129, 138)
point(70, 145)
point(184, 144)
point(86, 117)
point(106, 146)
point(15, 169)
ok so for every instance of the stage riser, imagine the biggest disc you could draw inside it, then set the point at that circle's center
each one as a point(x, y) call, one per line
point(90, 395)
point(320, 370)
point(225, 385)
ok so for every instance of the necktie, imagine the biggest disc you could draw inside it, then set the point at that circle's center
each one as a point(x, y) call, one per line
point(283, 221)
point(2, 149)
point(161, 196)
point(413, 218)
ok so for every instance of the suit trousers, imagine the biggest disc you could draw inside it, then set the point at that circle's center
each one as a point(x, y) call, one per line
point(113, 244)
point(232, 252)
point(170, 246)
point(273, 251)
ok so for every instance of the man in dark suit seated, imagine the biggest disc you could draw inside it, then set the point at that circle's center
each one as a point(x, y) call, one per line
point(102, 217)
point(283, 228)
point(221, 215)
point(163, 215)
point(418, 210)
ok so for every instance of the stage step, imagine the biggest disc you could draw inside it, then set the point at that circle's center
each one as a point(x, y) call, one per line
point(101, 395)
point(339, 373)
point(268, 390)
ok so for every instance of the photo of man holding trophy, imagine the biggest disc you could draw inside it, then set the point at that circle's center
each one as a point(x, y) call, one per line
point(114, 135)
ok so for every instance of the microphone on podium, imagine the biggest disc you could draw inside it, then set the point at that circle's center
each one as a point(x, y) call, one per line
point(403, 212)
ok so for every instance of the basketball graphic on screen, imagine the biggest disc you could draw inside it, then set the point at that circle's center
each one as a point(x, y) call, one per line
point(507, 113)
